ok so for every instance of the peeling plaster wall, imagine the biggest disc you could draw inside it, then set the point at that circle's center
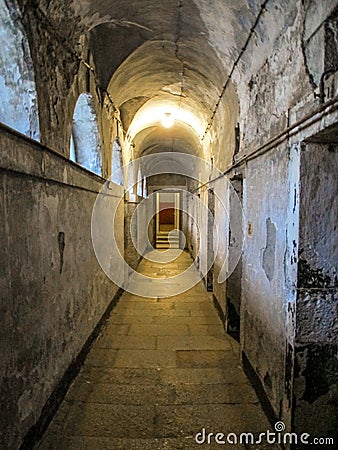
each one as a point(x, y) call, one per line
point(281, 92)
point(263, 281)
point(137, 215)
point(272, 97)
point(274, 88)
point(203, 223)
point(61, 78)
point(318, 250)
point(53, 292)
point(320, 37)
point(234, 281)
point(209, 278)
point(18, 98)
point(222, 142)
point(131, 255)
point(221, 263)
point(316, 389)
point(56, 87)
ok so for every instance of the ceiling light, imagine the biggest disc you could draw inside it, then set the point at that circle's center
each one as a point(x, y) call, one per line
point(168, 120)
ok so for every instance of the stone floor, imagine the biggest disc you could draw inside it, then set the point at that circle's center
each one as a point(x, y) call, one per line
point(161, 371)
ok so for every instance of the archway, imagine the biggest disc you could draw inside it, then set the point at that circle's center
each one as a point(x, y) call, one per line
point(85, 141)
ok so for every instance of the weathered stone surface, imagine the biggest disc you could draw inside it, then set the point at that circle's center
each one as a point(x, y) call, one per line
point(46, 319)
point(18, 106)
point(316, 390)
point(132, 57)
point(156, 398)
point(263, 295)
point(316, 366)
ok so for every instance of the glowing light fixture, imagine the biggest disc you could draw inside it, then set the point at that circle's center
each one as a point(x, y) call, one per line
point(168, 120)
point(151, 114)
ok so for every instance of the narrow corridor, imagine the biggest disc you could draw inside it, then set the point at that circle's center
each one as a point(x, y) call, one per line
point(136, 125)
point(161, 370)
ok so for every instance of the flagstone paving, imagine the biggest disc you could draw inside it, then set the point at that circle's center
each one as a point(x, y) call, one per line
point(161, 371)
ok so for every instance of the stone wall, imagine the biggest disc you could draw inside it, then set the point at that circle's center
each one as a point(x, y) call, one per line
point(286, 92)
point(18, 106)
point(64, 68)
point(316, 395)
point(263, 279)
point(286, 323)
point(131, 255)
point(53, 292)
point(234, 281)
point(221, 251)
point(57, 88)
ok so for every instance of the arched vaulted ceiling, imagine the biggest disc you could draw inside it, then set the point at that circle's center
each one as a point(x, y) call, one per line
point(180, 138)
point(174, 54)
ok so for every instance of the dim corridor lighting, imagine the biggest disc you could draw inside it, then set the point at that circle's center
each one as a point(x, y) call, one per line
point(167, 120)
